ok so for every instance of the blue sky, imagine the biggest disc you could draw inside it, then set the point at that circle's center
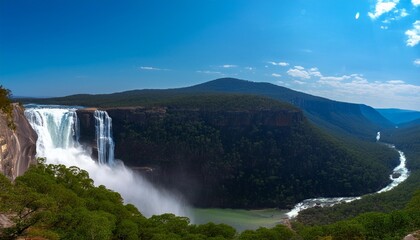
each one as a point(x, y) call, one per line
point(363, 51)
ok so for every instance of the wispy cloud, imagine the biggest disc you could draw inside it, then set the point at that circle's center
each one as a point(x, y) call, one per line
point(275, 75)
point(301, 72)
point(382, 7)
point(306, 50)
point(403, 13)
point(147, 68)
point(228, 66)
point(413, 34)
point(282, 64)
point(417, 62)
point(299, 82)
point(357, 88)
point(415, 2)
point(294, 72)
point(210, 72)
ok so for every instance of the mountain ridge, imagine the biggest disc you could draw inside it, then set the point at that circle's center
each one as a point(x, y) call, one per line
point(399, 116)
point(345, 118)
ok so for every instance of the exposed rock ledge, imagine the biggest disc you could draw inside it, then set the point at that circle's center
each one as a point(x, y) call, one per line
point(413, 236)
point(17, 148)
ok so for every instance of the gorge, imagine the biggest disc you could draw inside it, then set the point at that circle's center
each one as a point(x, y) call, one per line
point(67, 123)
point(155, 135)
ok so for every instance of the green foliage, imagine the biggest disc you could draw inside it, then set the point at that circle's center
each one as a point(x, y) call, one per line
point(277, 233)
point(252, 165)
point(43, 204)
point(406, 139)
point(6, 106)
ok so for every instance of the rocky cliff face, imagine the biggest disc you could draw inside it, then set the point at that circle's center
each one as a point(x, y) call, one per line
point(17, 148)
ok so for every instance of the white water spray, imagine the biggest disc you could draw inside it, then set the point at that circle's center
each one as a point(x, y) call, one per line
point(57, 131)
point(378, 136)
point(399, 175)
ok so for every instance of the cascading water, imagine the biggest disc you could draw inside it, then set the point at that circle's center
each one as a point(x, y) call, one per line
point(56, 128)
point(104, 140)
point(58, 134)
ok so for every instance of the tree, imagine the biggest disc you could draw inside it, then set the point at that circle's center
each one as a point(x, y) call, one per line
point(6, 106)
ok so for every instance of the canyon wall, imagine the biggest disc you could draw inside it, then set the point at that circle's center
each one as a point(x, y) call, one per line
point(17, 147)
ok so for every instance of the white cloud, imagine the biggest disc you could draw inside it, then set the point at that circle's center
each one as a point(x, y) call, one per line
point(356, 88)
point(340, 78)
point(415, 2)
point(299, 73)
point(314, 72)
point(403, 13)
point(209, 72)
point(153, 68)
point(229, 66)
point(275, 75)
point(417, 62)
point(282, 64)
point(299, 82)
point(382, 7)
point(384, 27)
point(413, 34)
point(395, 82)
point(357, 15)
point(249, 68)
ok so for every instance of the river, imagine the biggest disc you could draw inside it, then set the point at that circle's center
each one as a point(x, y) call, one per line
point(399, 175)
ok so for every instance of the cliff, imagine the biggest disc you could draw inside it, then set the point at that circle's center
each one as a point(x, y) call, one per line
point(17, 148)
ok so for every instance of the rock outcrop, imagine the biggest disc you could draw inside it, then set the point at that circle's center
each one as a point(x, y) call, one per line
point(87, 130)
point(413, 236)
point(17, 147)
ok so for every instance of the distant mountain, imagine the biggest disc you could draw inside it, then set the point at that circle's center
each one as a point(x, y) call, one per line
point(398, 116)
point(344, 118)
point(356, 119)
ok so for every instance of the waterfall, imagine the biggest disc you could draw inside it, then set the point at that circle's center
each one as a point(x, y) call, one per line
point(56, 128)
point(58, 134)
point(105, 143)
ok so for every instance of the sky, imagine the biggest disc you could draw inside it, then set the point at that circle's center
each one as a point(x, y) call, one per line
point(361, 51)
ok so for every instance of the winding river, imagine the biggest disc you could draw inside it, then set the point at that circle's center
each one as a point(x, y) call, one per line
point(399, 175)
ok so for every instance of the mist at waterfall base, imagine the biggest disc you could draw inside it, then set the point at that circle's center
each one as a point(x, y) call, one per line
point(58, 132)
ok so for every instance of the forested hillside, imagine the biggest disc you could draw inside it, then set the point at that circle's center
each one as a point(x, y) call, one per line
point(245, 157)
point(406, 139)
point(239, 151)
point(56, 202)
